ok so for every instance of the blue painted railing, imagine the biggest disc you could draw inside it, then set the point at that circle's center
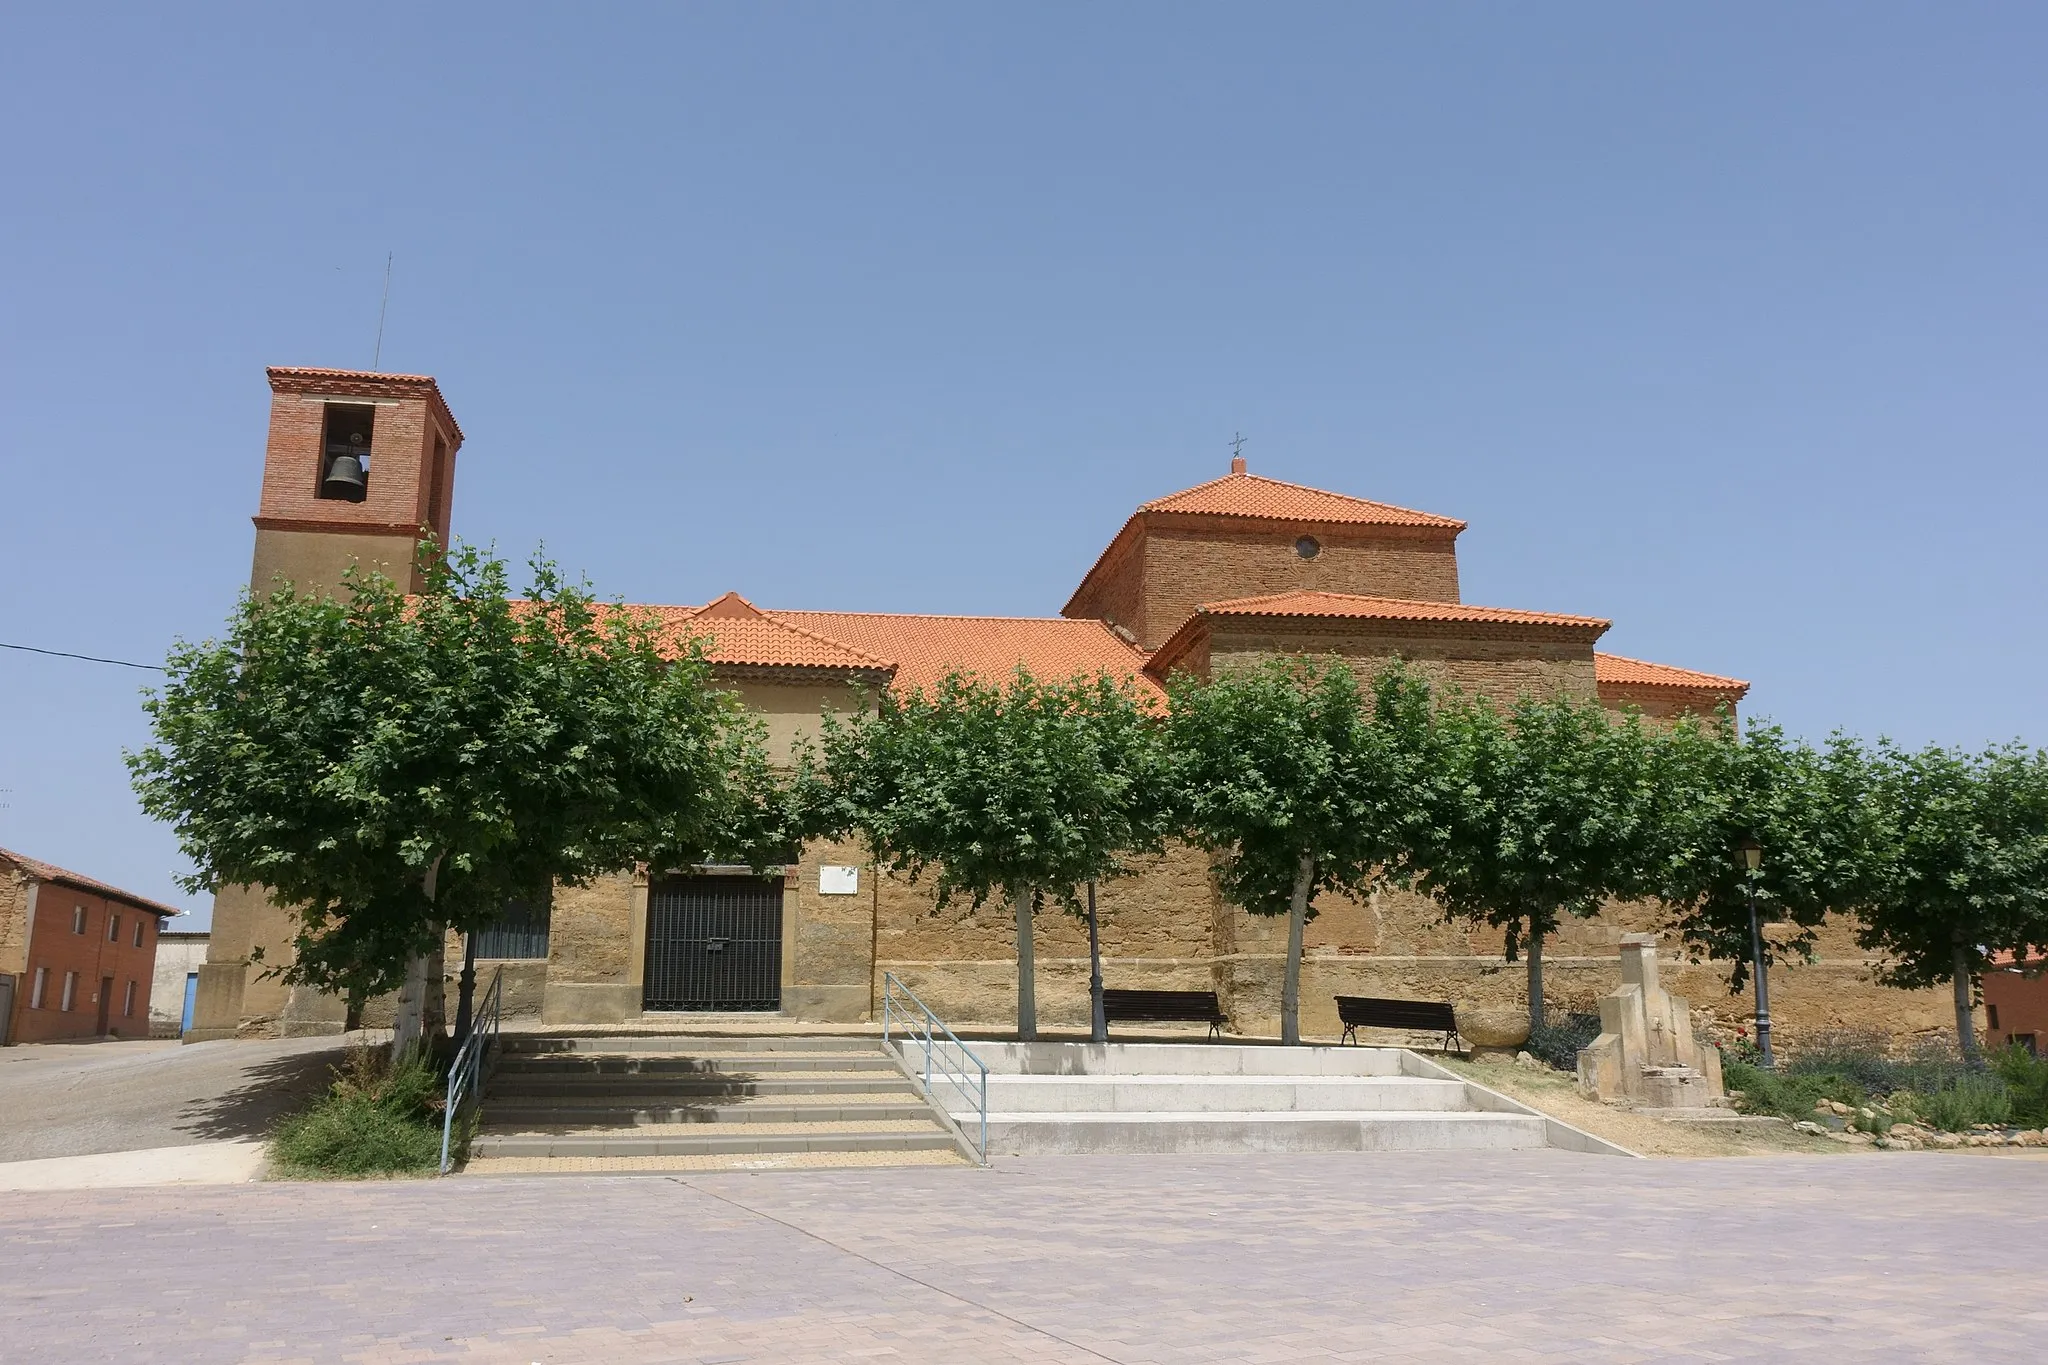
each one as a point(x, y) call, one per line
point(466, 1075)
point(923, 1040)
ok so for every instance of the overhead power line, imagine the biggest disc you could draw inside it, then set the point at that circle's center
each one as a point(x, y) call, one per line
point(89, 658)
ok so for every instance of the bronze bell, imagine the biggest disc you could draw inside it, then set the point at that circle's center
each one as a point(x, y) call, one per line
point(344, 478)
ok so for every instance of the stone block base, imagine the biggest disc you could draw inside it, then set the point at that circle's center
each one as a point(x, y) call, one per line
point(571, 1002)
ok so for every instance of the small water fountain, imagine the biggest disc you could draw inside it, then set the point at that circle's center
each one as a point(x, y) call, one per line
point(1646, 1054)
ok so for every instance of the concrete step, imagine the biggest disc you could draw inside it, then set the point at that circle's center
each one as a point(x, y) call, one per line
point(1185, 1059)
point(715, 1064)
point(687, 1044)
point(605, 1114)
point(639, 1089)
point(1238, 1093)
point(1019, 1134)
point(926, 1136)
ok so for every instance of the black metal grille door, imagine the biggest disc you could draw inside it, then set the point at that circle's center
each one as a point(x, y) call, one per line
point(714, 943)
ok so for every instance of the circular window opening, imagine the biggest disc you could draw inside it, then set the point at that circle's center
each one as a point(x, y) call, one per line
point(1308, 547)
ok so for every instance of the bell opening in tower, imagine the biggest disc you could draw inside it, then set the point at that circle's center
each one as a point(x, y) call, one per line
point(345, 451)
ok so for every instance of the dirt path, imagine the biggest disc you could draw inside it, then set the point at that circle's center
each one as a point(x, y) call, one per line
point(1557, 1094)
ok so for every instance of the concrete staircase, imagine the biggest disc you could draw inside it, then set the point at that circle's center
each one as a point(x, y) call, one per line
point(586, 1105)
point(1181, 1097)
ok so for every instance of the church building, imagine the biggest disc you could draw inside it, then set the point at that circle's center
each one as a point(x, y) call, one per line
point(360, 466)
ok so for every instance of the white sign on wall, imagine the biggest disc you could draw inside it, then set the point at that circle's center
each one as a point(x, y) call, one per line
point(838, 881)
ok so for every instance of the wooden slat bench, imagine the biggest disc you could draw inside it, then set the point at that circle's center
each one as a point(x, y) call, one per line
point(1420, 1016)
point(1154, 1007)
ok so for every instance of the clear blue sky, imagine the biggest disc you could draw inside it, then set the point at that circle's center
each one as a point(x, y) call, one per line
point(1726, 322)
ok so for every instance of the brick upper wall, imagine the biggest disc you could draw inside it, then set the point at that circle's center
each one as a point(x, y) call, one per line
point(1664, 703)
point(1115, 590)
point(1186, 565)
point(409, 422)
point(1500, 664)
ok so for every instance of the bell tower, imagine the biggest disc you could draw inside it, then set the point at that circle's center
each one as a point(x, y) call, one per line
point(360, 468)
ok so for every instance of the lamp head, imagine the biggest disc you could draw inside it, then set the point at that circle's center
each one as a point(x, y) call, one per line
point(1749, 854)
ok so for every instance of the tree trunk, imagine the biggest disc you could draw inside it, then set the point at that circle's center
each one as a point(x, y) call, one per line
point(1297, 920)
point(434, 1002)
point(1535, 976)
point(1966, 1026)
point(1027, 1002)
point(407, 1027)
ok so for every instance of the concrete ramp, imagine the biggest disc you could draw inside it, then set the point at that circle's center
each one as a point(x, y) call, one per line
point(1220, 1097)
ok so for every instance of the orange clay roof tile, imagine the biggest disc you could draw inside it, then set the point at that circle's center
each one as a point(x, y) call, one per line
point(50, 872)
point(1252, 495)
point(1347, 605)
point(915, 651)
point(1615, 668)
point(741, 635)
point(926, 648)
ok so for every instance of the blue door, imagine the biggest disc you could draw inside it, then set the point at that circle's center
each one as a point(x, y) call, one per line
point(191, 996)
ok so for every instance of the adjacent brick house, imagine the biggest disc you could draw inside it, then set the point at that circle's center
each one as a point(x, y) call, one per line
point(2016, 1003)
point(1233, 570)
point(79, 954)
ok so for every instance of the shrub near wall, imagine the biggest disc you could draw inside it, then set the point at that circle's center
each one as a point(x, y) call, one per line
point(376, 1119)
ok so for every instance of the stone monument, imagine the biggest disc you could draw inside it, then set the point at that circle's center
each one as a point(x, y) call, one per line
point(1645, 1054)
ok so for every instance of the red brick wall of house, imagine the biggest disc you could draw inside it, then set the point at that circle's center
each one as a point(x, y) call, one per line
point(2019, 1004)
point(54, 946)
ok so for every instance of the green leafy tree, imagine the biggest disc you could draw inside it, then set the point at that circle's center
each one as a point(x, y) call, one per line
point(1814, 812)
point(1302, 786)
point(1966, 874)
point(1025, 791)
point(390, 766)
point(1548, 814)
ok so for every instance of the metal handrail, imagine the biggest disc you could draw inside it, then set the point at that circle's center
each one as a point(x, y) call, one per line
point(466, 1072)
point(922, 1028)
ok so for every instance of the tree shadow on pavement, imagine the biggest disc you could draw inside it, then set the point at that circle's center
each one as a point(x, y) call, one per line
point(268, 1092)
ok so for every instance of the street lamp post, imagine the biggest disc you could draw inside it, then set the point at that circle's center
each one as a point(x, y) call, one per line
point(1749, 856)
point(1098, 1029)
point(465, 995)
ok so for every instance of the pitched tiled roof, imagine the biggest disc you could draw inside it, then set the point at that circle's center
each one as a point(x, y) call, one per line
point(1252, 495)
point(912, 651)
point(50, 872)
point(926, 648)
point(1615, 668)
point(1329, 606)
point(741, 635)
point(1339, 604)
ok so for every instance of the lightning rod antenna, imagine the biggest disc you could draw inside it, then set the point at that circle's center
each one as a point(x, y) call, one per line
point(382, 304)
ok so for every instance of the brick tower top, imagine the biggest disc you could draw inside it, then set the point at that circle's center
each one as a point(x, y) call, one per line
point(360, 468)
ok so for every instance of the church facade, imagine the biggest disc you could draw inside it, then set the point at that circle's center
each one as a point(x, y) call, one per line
point(359, 467)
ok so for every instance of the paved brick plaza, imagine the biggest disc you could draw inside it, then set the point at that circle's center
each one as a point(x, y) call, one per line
point(1532, 1256)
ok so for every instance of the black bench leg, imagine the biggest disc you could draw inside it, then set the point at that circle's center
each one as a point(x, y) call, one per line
point(1215, 1031)
point(1350, 1036)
